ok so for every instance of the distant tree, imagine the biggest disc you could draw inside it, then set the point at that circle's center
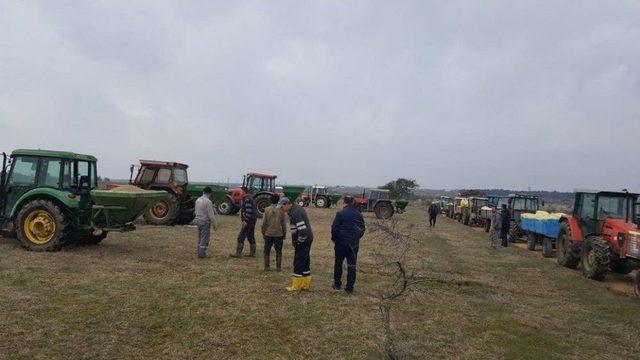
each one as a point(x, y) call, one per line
point(401, 188)
point(471, 192)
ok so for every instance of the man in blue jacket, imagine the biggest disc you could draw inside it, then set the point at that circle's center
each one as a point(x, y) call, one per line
point(347, 229)
point(247, 231)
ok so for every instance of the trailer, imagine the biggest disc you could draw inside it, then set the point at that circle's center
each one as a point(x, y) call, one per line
point(541, 228)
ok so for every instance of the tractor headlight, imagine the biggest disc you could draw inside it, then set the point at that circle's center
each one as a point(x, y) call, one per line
point(621, 239)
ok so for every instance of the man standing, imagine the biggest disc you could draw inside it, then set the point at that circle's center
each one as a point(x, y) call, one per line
point(248, 216)
point(433, 213)
point(505, 217)
point(347, 230)
point(301, 237)
point(204, 217)
point(496, 224)
point(274, 230)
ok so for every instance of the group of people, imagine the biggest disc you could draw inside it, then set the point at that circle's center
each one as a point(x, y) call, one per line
point(347, 229)
point(500, 225)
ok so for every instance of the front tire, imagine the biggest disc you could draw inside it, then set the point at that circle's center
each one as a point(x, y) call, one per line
point(262, 202)
point(42, 226)
point(383, 210)
point(564, 253)
point(595, 257)
point(226, 206)
point(514, 232)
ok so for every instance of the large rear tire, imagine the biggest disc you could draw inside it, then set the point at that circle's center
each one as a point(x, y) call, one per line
point(226, 206)
point(42, 226)
point(620, 266)
point(322, 202)
point(164, 212)
point(595, 257)
point(383, 210)
point(564, 253)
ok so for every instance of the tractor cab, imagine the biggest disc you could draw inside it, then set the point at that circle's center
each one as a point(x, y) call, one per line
point(522, 204)
point(375, 200)
point(27, 170)
point(161, 175)
point(476, 203)
point(605, 213)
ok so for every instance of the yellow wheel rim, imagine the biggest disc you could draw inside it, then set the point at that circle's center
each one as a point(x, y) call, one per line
point(160, 210)
point(39, 227)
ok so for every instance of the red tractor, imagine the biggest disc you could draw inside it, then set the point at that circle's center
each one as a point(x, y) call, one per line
point(261, 186)
point(377, 201)
point(601, 234)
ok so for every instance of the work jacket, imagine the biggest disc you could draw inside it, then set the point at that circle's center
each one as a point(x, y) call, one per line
point(274, 222)
point(348, 227)
point(248, 209)
point(300, 227)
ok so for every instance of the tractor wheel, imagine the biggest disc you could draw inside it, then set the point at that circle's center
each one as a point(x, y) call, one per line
point(531, 241)
point(547, 247)
point(301, 203)
point(636, 284)
point(361, 208)
point(384, 210)
point(620, 266)
point(42, 226)
point(164, 212)
point(514, 232)
point(226, 206)
point(487, 225)
point(564, 254)
point(321, 202)
point(595, 257)
point(262, 202)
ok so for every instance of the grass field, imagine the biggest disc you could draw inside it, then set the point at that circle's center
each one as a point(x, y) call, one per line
point(146, 295)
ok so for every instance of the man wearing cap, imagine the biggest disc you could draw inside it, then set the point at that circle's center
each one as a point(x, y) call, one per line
point(247, 231)
point(347, 230)
point(205, 215)
point(301, 237)
point(274, 230)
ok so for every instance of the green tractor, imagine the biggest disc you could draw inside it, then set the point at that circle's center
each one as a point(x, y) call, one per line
point(49, 198)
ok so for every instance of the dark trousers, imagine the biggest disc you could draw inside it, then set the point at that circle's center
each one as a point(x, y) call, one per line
point(247, 232)
point(302, 259)
point(349, 253)
point(275, 242)
point(503, 236)
point(432, 220)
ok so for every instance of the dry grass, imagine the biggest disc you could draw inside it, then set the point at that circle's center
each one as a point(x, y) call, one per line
point(145, 294)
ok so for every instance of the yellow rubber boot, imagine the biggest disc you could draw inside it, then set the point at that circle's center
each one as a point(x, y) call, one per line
point(306, 283)
point(296, 284)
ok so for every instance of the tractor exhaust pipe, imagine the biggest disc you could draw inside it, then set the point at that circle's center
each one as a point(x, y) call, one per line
point(131, 174)
point(629, 206)
point(4, 170)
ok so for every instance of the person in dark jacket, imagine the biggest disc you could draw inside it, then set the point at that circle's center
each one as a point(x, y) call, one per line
point(248, 216)
point(347, 230)
point(505, 217)
point(302, 238)
point(433, 213)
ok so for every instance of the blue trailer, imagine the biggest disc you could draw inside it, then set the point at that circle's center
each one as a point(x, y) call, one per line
point(542, 231)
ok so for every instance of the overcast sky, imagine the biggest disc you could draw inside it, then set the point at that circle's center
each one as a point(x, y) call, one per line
point(484, 94)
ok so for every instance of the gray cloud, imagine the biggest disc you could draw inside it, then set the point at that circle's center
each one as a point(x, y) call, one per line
point(453, 93)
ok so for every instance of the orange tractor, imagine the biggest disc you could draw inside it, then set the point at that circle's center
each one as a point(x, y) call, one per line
point(261, 186)
point(601, 234)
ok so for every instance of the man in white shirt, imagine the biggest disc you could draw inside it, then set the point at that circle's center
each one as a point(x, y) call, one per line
point(205, 216)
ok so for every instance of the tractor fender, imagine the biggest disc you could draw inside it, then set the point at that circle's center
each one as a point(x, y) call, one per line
point(60, 197)
point(576, 232)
